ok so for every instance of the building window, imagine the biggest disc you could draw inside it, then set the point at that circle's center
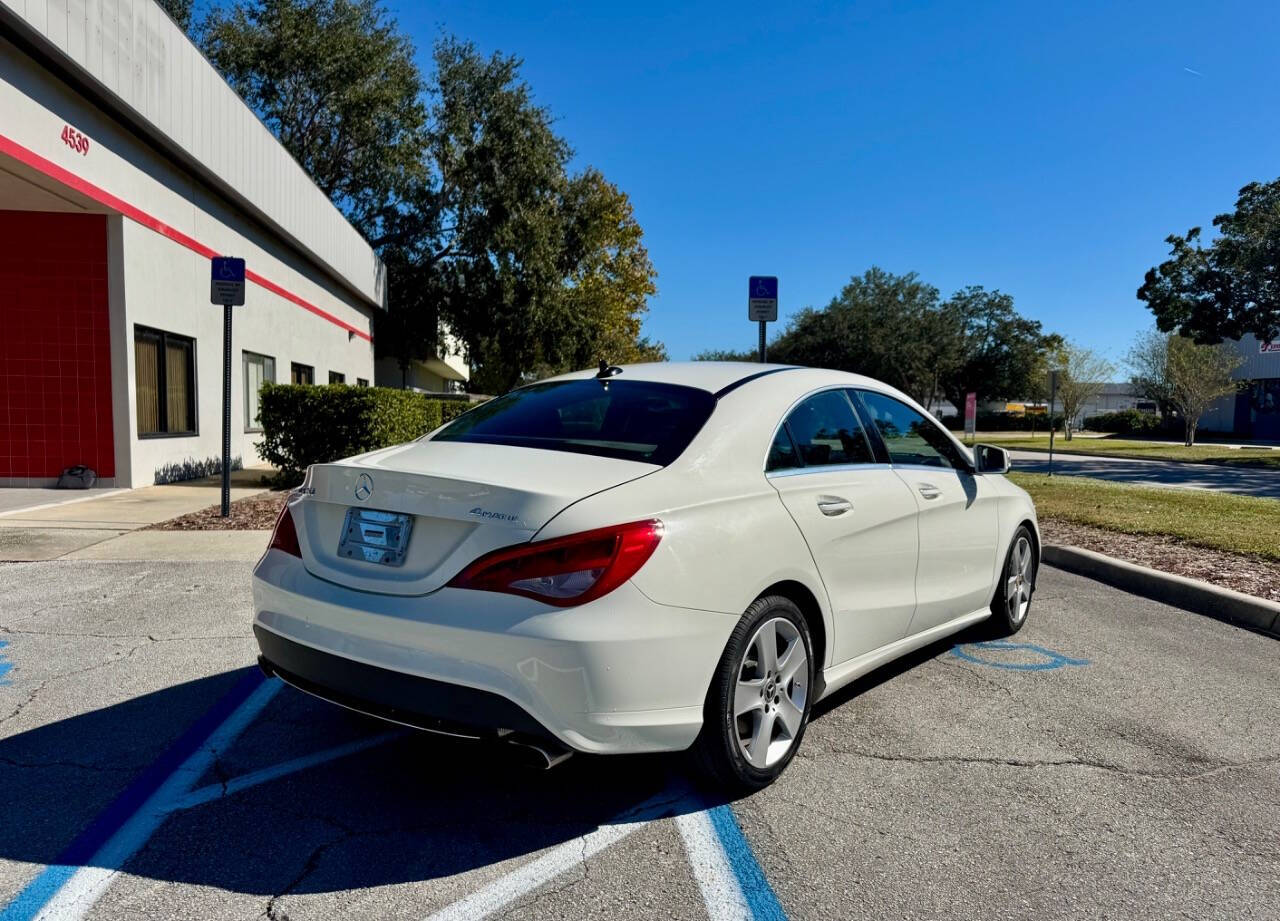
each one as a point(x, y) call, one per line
point(258, 370)
point(362, 382)
point(301, 374)
point(165, 379)
point(337, 378)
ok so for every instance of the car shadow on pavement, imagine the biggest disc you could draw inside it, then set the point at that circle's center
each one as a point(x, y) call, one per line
point(408, 808)
point(893, 669)
point(397, 807)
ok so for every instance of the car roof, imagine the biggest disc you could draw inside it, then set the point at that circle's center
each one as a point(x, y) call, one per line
point(715, 376)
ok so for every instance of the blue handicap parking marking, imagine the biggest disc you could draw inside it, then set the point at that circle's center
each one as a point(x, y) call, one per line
point(978, 653)
point(5, 665)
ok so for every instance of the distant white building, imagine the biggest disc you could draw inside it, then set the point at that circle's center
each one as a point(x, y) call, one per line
point(1253, 412)
point(436, 375)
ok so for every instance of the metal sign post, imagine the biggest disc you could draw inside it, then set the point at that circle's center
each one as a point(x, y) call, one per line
point(971, 416)
point(762, 304)
point(1053, 395)
point(226, 287)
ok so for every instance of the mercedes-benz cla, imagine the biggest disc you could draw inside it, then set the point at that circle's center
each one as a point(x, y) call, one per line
point(648, 558)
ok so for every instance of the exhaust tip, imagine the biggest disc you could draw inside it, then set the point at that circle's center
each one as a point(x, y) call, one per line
point(539, 754)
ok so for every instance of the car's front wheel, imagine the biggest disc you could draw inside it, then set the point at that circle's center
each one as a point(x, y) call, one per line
point(1013, 596)
point(758, 704)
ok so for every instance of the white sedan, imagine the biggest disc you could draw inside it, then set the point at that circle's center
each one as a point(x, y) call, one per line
point(647, 558)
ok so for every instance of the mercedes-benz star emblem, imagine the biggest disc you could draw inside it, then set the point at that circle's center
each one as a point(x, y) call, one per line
point(364, 486)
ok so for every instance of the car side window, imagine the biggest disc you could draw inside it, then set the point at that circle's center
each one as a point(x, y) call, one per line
point(782, 453)
point(909, 436)
point(826, 431)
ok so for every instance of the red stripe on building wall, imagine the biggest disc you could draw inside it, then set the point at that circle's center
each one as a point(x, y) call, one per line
point(103, 197)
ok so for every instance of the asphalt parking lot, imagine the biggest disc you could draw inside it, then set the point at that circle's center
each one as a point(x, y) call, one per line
point(1120, 759)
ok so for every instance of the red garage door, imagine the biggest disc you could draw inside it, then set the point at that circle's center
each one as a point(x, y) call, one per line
point(55, 347)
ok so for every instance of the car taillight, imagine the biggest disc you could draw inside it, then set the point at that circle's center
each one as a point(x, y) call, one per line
point(285, 536)
point(566, 571)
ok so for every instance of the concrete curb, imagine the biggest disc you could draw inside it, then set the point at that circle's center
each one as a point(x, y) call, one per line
point(1229, 464)
point(1178, 591)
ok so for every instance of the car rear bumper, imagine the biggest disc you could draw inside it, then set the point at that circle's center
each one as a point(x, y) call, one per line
point(621, 674)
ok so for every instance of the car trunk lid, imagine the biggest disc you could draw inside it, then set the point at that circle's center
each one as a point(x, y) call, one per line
point(461, 500)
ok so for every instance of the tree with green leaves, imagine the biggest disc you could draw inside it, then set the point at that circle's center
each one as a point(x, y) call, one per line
point(1198, 375)
point(1083, 374)
point(607, 275)
point(1148, 361)
point(179, 11)
point(1230, 287)
point(1001, 352)
point(458, 181)
point(891, 327)
point(335, 81)
point(897, 328)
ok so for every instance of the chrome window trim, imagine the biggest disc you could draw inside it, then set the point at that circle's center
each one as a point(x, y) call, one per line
point(830, 468)
point(930, 467)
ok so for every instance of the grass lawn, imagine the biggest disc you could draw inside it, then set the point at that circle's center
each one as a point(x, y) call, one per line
point(1239, 524)
point(1202, 453)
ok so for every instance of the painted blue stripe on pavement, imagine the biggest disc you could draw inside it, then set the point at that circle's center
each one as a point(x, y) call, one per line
point(760, 896)
point(38, 892)
point(5, 664)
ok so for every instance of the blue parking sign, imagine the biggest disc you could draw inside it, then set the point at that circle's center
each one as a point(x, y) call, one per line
point(762, 299)
point(226, 281)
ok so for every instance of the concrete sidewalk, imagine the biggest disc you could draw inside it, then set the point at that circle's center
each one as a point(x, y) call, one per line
point(103, 527)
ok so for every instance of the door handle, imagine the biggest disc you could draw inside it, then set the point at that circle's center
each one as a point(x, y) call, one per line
point(929, 491)
point(833, 505)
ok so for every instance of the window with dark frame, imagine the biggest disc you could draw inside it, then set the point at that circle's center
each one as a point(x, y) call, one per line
point(301, 374)
point(337, 377)
point(165, 383)
point(822, 431)
point(911, 438)
point(258, 370)
point(362, 382)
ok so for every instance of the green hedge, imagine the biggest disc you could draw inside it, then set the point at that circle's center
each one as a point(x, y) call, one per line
point(1125, 422)
point(306, 424)
point(1005, 422)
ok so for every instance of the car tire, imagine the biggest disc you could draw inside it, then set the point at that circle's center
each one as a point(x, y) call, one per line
point(756, 710)
point(1012, 601)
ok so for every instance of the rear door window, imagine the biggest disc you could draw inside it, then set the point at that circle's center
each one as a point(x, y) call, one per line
point(827, 433)
point(629, 420)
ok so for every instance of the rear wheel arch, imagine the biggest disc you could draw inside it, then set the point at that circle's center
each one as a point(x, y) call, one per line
point(803, 598)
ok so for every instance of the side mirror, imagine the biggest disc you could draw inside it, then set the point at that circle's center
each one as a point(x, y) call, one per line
point(990, 459)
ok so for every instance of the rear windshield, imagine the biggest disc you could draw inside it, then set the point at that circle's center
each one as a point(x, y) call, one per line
point(629, 420)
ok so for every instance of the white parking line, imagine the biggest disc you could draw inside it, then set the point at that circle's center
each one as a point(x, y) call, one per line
point(721, 892)
point(560, 859)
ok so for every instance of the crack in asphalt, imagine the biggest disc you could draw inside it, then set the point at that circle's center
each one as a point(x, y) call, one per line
point(986, 680)
point(123, 636)
point(1066, 762)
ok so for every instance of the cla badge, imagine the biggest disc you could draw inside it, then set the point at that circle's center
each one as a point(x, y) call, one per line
point(364, 487)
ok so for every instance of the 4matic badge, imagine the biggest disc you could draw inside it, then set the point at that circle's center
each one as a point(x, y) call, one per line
point(493, 516)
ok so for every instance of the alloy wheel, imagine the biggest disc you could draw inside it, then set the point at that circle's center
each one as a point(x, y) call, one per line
point(771, 692)
point(1018, 580)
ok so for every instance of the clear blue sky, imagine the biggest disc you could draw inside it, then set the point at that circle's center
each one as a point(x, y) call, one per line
point(1042, 149)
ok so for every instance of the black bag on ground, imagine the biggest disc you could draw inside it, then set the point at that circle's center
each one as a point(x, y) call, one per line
point(77, 478)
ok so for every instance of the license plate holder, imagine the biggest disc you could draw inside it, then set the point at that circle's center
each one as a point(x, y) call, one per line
point(375, 536)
